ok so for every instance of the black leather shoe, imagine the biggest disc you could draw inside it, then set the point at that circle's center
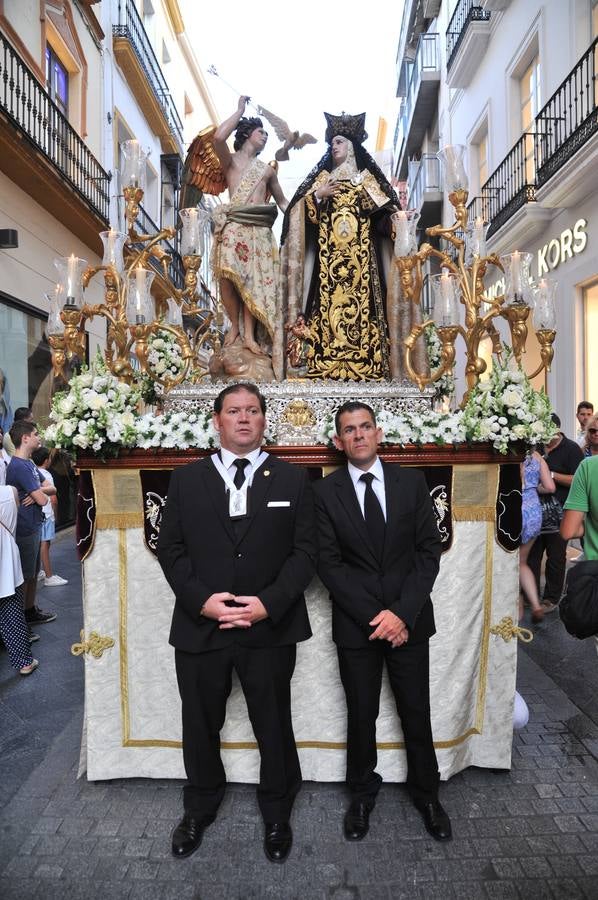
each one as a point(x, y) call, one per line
point(187, 836)
point(436, 820)
point(277, 841)
point(357, 821)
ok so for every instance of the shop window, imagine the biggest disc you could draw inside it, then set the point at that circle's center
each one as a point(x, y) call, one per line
point(591, 342)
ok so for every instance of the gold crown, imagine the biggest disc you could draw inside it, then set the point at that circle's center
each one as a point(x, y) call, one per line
point(351, 127)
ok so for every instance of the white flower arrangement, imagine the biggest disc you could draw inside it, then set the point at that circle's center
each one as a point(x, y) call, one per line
point(97, 413)
point(164, 361)
point(506, 408)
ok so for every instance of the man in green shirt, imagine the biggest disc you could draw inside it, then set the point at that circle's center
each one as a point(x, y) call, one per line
point(581, 509)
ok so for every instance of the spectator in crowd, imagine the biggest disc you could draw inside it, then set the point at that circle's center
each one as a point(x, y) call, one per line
point(535, 479)
point(41, 458)
point(23, 474)
point(22, 414)
point(585, 411)
point(581, 510)
point(4, 458)
point(13, 627)
point(590, 444)
point(563, 457)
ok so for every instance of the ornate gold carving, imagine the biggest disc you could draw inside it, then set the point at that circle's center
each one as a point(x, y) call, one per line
point(299, 413)
point(95, 644)
point(507, 630)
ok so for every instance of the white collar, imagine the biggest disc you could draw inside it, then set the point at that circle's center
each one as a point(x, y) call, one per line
point(227, 457)
point(376, 470)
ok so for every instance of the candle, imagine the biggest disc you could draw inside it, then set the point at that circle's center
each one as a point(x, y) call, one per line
point(446, 292)
point(402, 239)
point(139, 286)
point(71, 279)
point(516, 275)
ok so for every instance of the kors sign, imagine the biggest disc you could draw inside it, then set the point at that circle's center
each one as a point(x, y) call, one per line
point(570, 242)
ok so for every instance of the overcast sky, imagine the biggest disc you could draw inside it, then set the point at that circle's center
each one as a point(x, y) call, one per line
point(298, 60)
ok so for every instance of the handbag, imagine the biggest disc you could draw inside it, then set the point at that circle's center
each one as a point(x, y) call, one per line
point(552, 513)
point(578, 608)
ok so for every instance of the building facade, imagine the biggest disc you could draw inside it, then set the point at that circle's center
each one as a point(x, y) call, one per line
point(77, 78)
point(515, 81)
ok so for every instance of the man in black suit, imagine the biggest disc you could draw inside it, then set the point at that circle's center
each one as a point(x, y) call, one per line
point(237, 546)
point(379, 557)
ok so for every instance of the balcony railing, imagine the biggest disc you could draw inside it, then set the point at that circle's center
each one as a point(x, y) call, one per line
point(424, 176)
point(427, 59)
point(39, 120)
point(512, 184)
point(146, 225)
point(131, 27)
point(569, 118)
point(466, 11)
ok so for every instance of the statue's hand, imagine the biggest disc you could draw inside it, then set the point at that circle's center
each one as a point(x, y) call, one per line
point(243, 101)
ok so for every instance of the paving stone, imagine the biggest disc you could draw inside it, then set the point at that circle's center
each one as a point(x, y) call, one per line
point(501, 890)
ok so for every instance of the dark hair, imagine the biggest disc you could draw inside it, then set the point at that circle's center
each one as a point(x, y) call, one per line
point(19, 430)
point(585, 404)
point(349, 407)
point(245, 127)
point(234, 389)
point(40, 455)
point(555, 419)
point(22, 413)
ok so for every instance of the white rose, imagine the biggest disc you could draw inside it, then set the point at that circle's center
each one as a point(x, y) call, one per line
point(85, 380)
point(80, 440)
point(512, 398)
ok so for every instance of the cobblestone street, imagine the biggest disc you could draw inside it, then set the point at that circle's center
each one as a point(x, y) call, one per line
point(531, 832)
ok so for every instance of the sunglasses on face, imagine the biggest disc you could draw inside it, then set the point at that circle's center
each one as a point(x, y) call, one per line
point(592, 430)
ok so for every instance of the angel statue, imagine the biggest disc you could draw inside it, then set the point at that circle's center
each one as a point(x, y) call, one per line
point(244, 253)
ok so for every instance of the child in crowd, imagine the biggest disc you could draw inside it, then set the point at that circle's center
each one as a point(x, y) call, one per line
point(41, 458)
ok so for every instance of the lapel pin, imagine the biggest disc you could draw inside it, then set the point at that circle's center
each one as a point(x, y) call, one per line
point(266, 473)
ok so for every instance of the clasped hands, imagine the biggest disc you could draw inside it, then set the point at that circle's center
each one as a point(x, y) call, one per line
point(389, 628)
point(248, 611)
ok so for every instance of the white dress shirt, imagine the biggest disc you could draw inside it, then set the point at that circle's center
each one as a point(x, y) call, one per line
point(377, 484)
point(254, 459)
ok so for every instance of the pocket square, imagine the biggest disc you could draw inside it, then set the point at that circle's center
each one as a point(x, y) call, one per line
point(279, 503)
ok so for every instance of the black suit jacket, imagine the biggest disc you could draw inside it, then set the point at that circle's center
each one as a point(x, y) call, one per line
point(360, 586)
point(271, 554)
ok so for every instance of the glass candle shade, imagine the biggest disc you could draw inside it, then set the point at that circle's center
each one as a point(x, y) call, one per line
point(55, 303)
point(544, 313)
point(446, 298)
point(140, 303)
point(475, 240)
point(517, 278)
point(174, 316)
point(453, 164)
point(114, 242)
point(405, 227)
point(194, 221)
point(133, 165)
point(70, 269)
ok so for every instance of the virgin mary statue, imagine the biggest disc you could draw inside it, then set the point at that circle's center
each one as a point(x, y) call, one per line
point(337, 256)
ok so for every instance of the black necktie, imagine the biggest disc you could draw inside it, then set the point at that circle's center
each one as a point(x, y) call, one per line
point(239, 479)
point(373, 515)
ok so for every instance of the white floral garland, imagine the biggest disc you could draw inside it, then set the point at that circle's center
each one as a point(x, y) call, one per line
point(99, 413)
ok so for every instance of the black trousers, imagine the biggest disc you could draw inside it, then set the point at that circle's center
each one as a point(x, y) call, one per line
point(205, 681)
point(556, 564)
point(408, 670)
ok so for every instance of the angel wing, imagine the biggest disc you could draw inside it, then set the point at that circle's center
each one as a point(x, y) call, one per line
point(202, 172)
point(281, 129)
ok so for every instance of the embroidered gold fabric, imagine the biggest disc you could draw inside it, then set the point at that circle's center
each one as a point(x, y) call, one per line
point(348, 338)
point(95, 644)
point(507, 630)
point(118, 498)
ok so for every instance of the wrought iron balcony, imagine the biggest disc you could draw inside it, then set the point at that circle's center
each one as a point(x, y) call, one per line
point(130, 28)
point(512, 184)
point(570, 117)
point(38, 120)
point(466, 12)
point(419, 83)
point(424, 178)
